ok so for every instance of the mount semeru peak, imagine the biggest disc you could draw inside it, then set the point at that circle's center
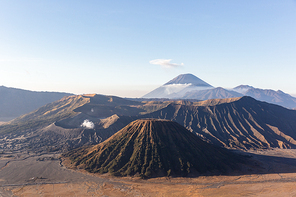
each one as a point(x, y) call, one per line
point(188, 79)
point(153, 148)
point(178, 87)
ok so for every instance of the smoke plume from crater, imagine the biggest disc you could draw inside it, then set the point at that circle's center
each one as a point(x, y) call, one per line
point(88, 124)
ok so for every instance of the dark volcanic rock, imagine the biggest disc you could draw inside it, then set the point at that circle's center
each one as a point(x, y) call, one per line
point(242, 123)
point(151, 147)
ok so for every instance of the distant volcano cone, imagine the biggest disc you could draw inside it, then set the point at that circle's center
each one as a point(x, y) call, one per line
point(188, 78)
point(151, 147)
point(178, 87)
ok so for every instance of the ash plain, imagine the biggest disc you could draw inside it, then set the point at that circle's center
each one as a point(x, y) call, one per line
point(29, 173)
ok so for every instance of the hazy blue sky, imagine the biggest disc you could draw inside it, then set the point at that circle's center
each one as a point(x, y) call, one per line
point(128, 48)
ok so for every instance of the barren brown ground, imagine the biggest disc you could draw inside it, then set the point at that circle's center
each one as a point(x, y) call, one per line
point(41, 175)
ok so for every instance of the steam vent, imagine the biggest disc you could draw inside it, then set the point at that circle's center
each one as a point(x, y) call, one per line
point(153, 148)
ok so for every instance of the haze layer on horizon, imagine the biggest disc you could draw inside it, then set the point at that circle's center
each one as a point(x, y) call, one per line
point(128, 48)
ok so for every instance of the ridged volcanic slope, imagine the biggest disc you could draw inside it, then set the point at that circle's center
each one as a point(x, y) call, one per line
point(151, 147)
point(63, 110)
point(242, 123)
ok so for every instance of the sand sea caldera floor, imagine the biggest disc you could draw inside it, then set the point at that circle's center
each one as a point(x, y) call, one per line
point(29, 174)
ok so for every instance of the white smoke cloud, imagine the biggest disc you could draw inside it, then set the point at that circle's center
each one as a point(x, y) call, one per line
point(88, 124)
point(165, 63)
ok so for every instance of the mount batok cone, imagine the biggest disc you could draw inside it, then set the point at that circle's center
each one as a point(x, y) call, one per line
point(153, 148)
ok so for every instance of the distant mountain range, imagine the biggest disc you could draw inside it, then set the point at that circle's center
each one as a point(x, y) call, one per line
point(15, 102)
point(270, 96)
point(241, 123)
point(188, 86)
point(232, 121)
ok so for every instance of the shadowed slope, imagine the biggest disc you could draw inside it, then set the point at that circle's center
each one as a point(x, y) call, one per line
point(242, 123)
point(151, 147)
point(15, 102)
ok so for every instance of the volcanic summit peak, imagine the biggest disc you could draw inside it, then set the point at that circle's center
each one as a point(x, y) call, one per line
point(242, 89)
point(243, 86)
point(188, 79)
point(177, 87)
